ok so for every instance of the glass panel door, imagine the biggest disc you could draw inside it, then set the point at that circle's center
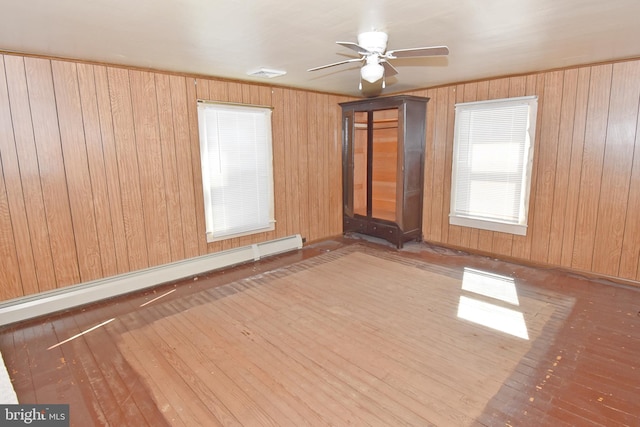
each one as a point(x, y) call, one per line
point(360, 154)
point(384, 165)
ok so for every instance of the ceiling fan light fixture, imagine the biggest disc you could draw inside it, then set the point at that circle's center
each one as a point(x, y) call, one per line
point(372, 72)
point(372, 50)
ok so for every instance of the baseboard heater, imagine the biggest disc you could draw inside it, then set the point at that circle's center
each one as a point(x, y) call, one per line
point(23, 308)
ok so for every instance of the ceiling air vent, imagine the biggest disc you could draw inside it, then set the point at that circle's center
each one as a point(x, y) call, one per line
point(267, 73)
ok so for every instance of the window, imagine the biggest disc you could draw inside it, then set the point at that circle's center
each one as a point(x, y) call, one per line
point(237, 169)
point(492, 157)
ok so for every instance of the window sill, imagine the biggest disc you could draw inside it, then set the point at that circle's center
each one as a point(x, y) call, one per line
point(483, 224)
point(211, 238)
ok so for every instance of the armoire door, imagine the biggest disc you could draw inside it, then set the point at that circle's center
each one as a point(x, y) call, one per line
point(375, 163)
point(384, 164)
point(360, 163)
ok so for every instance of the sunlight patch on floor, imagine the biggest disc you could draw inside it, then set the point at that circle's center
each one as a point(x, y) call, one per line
point(492, 315)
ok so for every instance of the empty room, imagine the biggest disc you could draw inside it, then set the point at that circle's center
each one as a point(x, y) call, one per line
point(382, 213)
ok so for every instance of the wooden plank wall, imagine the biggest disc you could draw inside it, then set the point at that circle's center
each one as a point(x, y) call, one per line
point(585, 195)
point(100, 175)
point(100, 169)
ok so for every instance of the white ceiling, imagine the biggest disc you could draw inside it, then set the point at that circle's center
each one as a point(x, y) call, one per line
point(228, 38)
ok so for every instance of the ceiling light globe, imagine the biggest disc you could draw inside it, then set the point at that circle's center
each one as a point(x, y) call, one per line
point(372, 72)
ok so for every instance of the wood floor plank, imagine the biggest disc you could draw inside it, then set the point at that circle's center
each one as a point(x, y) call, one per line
point(398, 375)
point(181, 412)
point(14, 349)
point(356, 333)
point(305, 314)
point(309, 383)
point(197, 344)
point(353, 374)
point(77, 355)
point(110, 369)
point(145, 373)
point(373, 310)
point(346, 394)
point(165, 368)
point(285, 392)
point(220, 383)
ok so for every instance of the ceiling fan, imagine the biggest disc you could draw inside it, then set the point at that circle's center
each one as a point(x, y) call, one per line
point(372, 46)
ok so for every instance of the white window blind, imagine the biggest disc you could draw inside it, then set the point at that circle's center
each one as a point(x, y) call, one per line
point(237, 169)
point(491, 171)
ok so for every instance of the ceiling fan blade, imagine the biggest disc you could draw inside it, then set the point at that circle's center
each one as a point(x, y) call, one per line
point(418, 51)
point(356, 47)
point(389, 70)
point(336, 63)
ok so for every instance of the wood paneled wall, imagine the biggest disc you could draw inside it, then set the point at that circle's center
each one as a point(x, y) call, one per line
point(584, 209)
point(100, 169)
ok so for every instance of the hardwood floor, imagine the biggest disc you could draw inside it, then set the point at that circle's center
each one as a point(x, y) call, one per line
point(347, 331)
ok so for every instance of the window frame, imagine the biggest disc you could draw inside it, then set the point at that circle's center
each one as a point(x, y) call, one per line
point(492, 223)
point(213, 235)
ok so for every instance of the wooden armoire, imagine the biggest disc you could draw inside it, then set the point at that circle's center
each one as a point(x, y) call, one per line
point(383, 167)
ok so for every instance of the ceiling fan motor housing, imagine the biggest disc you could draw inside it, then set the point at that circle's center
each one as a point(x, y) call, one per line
point(373, 41)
